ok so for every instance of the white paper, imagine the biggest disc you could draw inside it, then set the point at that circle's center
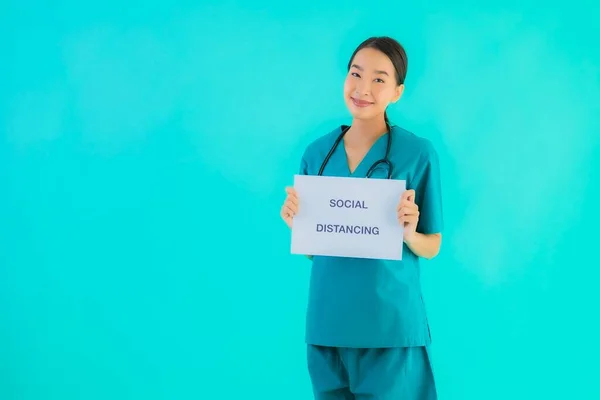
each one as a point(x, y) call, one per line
point(365, 226)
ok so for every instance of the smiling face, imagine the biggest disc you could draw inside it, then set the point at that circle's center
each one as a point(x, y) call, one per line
point(371, 84)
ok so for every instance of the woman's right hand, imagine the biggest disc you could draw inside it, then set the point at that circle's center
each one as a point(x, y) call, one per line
point(290, 206)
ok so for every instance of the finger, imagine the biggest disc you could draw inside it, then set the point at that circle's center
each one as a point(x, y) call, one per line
point(402, 205)
point(291, 191)
point(411, 211)
point(407, 204)
point(292, 196)
point(289, 210)
point(408, 195)
point(409, 219)
point(286, 209)
point(292, 200)
point(408, 211)
point(293, 206)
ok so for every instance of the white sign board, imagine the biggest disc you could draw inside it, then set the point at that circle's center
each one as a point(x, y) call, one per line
point(348, 217)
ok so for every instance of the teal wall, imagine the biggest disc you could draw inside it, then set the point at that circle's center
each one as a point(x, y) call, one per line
point(144, 150)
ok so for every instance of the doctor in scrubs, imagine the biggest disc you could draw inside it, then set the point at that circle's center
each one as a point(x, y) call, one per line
point(367, 332)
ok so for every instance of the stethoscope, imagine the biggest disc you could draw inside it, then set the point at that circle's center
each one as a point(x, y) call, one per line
point(384, 160)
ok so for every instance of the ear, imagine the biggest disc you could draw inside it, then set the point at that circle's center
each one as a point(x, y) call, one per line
point(399, 91)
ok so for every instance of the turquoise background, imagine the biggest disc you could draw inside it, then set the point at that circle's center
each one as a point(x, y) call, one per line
point(144, 150)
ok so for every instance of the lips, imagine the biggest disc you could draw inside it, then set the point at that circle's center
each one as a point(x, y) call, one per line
point(361, 103)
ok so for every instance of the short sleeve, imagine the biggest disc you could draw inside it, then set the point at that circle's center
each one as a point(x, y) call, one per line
point(303, 166)
point(428, 192)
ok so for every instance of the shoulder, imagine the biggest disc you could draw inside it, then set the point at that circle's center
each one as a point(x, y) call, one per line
point(320, 146)
point(412, 149)
point(316, 151)
point(411, 142)
point(414, 157)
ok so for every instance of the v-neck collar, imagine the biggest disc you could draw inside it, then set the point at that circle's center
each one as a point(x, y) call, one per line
point(376, 152)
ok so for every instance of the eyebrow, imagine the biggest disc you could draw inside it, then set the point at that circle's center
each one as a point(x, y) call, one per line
point(358, 67)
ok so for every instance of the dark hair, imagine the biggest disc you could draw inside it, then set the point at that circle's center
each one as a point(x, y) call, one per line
point(391, 48)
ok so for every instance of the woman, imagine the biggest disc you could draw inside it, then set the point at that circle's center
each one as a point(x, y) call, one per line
point(366, 326)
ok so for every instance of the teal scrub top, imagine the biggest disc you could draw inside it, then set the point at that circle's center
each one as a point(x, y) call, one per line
point(368, 303)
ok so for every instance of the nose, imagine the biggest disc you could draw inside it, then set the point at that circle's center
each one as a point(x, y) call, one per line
point(363, 88)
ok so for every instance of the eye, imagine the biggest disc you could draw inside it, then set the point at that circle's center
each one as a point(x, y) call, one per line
point(355, 75)
point(379, 80)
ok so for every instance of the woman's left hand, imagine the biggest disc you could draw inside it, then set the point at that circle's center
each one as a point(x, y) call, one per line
point(408, 213)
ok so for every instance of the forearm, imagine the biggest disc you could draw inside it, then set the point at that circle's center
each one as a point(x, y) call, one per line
point(424, 245)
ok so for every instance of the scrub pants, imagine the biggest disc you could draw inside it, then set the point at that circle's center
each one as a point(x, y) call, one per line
point(402, 373)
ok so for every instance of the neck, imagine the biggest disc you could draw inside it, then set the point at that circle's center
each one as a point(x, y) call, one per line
point(366, 132)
